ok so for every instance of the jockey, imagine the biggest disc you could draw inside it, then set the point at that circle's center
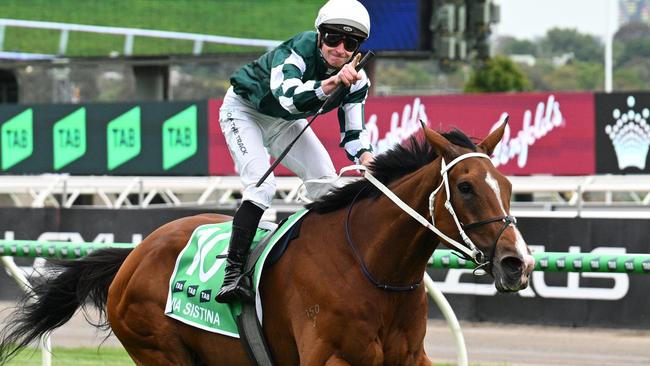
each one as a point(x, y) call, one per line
point(266, 106)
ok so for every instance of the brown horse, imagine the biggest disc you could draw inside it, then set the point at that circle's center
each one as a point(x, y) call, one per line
point(344, 293)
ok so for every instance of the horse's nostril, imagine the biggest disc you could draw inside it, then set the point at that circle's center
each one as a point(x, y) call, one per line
point(512, 265)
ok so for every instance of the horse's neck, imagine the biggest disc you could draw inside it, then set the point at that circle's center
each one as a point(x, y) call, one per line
point(396, 247)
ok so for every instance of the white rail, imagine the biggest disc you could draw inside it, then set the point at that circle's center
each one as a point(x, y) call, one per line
point(579, 196)
point(45, 343)
point(130, 34)
point(19, 274)
point(447, 311)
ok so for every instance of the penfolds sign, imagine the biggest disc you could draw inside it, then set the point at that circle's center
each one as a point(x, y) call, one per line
point(547, 133)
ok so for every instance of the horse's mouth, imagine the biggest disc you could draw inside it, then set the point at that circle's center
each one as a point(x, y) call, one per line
point(512, 273)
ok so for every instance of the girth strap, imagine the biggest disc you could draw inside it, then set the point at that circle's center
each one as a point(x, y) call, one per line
point(250, 332)
point(250, 329)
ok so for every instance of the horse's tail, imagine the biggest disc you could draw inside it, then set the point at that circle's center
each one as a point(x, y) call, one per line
point(65, 287)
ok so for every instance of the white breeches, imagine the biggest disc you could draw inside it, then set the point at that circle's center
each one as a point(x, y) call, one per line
point(251, 136)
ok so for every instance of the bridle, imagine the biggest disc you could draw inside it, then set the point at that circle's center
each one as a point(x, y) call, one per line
point(476, 255)
point(468, 250)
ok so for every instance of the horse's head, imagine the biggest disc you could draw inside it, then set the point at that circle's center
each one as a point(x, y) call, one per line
point(478, 195)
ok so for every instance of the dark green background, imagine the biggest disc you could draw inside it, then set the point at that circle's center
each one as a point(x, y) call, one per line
point(98, 115)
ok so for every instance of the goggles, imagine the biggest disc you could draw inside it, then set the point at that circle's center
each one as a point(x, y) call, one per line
point(350, 43)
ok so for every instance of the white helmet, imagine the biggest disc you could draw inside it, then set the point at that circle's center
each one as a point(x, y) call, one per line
point(349, 16)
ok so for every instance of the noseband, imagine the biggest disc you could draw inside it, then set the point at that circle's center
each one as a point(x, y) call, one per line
point(507, 221)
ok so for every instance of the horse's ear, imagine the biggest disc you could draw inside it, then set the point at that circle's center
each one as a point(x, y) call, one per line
point(442, 146)
point(490, 142)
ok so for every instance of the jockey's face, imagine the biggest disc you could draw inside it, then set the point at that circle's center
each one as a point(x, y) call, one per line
point(336, 55)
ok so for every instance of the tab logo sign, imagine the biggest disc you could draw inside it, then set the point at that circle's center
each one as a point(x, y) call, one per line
point(191, 290)
point(179, 286)
point(179, 137)
point(17, 139)
point(69, 137)
point(205, 296)
point(123, 138)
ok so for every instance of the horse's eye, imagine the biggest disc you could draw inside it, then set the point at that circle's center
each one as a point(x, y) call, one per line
point(464, 187)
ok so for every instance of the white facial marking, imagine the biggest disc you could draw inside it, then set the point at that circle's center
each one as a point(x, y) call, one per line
point(522, 250)
point(520, 244)
point(497, 190)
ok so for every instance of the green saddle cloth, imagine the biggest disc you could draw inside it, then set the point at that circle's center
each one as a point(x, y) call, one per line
point(198, 276)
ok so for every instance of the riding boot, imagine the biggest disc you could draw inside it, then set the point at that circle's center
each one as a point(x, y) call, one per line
point(237, 285)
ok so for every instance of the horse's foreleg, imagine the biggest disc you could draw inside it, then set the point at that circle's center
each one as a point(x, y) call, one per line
point(335, 360)
point(319, 359)
point(322, 353)
point(319, 353)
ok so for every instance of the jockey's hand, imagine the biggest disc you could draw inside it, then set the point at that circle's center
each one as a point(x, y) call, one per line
point(366, 159)
point(348, 75)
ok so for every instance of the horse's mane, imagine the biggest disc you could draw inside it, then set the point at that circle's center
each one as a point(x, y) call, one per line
point(388, 167)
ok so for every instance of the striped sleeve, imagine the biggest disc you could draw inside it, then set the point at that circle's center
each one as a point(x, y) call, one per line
point(294, 95)
point(351, 114)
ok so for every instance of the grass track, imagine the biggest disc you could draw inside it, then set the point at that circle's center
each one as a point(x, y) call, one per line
point(104, 356)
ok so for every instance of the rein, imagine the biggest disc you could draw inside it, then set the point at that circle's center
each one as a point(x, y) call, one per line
point(359, 259)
